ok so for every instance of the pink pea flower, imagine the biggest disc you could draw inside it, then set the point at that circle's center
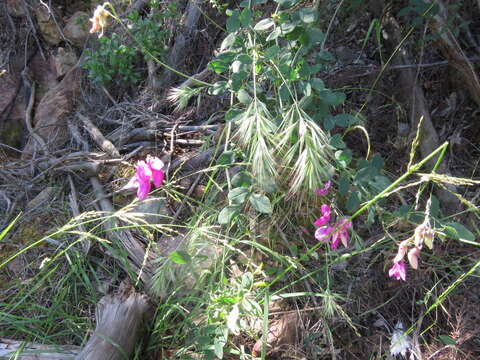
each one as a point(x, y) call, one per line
point(325, 218)
point(398, 271)
point(341, 235)
point(146, 172)
point(322, 233)
point(413, 256)
point(324, 190)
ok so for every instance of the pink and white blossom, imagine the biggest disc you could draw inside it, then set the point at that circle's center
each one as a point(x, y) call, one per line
point(398, 271)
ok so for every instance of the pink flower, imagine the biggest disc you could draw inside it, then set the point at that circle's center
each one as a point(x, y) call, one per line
point(325, 218)
point(398, 271)
point(413, 256)
point(341, 235)
point(146, 172)
point(322, 233)
point(156, 165)
point(324, 191)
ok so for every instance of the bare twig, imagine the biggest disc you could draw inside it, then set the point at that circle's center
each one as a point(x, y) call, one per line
point(97, 136)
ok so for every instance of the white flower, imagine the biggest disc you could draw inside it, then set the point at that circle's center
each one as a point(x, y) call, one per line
point(400, 341)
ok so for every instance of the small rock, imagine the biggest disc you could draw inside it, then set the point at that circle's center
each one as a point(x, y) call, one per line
point(47, 26)
point(76, 29)
point(53, 111)
point(64, 61)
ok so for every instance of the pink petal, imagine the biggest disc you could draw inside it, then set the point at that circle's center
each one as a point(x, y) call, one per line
point(343, 237)
point(143, 189)
point(335, 240)
point(413, 256)
point(324, 191)
point(155, 163)
point(402, 250)
point(322, 233)
point(398, 271)
point(144, 172)
point(132, 184)
point(325, 218)
point(345, 224)
point(157, 176)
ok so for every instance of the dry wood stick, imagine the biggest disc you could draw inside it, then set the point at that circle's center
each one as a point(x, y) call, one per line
point(97, 136)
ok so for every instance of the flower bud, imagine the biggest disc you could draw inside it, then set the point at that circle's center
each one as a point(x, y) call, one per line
point(413, 256)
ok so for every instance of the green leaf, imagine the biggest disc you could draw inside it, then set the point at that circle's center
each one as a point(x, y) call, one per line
point(287, 27)
point(246, 17)
point(228, 42)
point(180, 257)
point(308, 15)
point(227, 214)
point(227, 158)
point(242, 179)
point(317, 84)
point(247, 280)
point(233, 21)
point(264, 24)
point(234, 114)
point(332, 98)
point(218, 88)
point(238, 195)
point(315, 36)
point(329, 122)
point(344, 157)
point(380, 183)
point(244, 97)
point(218, 347)
point(343, 185)
point(353, 201)
point(447, 340)
point(274, 34)
point(457, 231)
point(343, 120)
point(268, 185)
point(337, 142)
point(287, 3)
point(261, 203)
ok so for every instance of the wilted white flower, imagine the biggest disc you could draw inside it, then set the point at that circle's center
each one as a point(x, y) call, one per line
point(400, 341)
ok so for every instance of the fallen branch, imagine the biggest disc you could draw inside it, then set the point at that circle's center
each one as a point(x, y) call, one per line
point(97, 136)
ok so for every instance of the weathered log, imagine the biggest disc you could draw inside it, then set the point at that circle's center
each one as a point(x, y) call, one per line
point(119, 318)
point(12, 349)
